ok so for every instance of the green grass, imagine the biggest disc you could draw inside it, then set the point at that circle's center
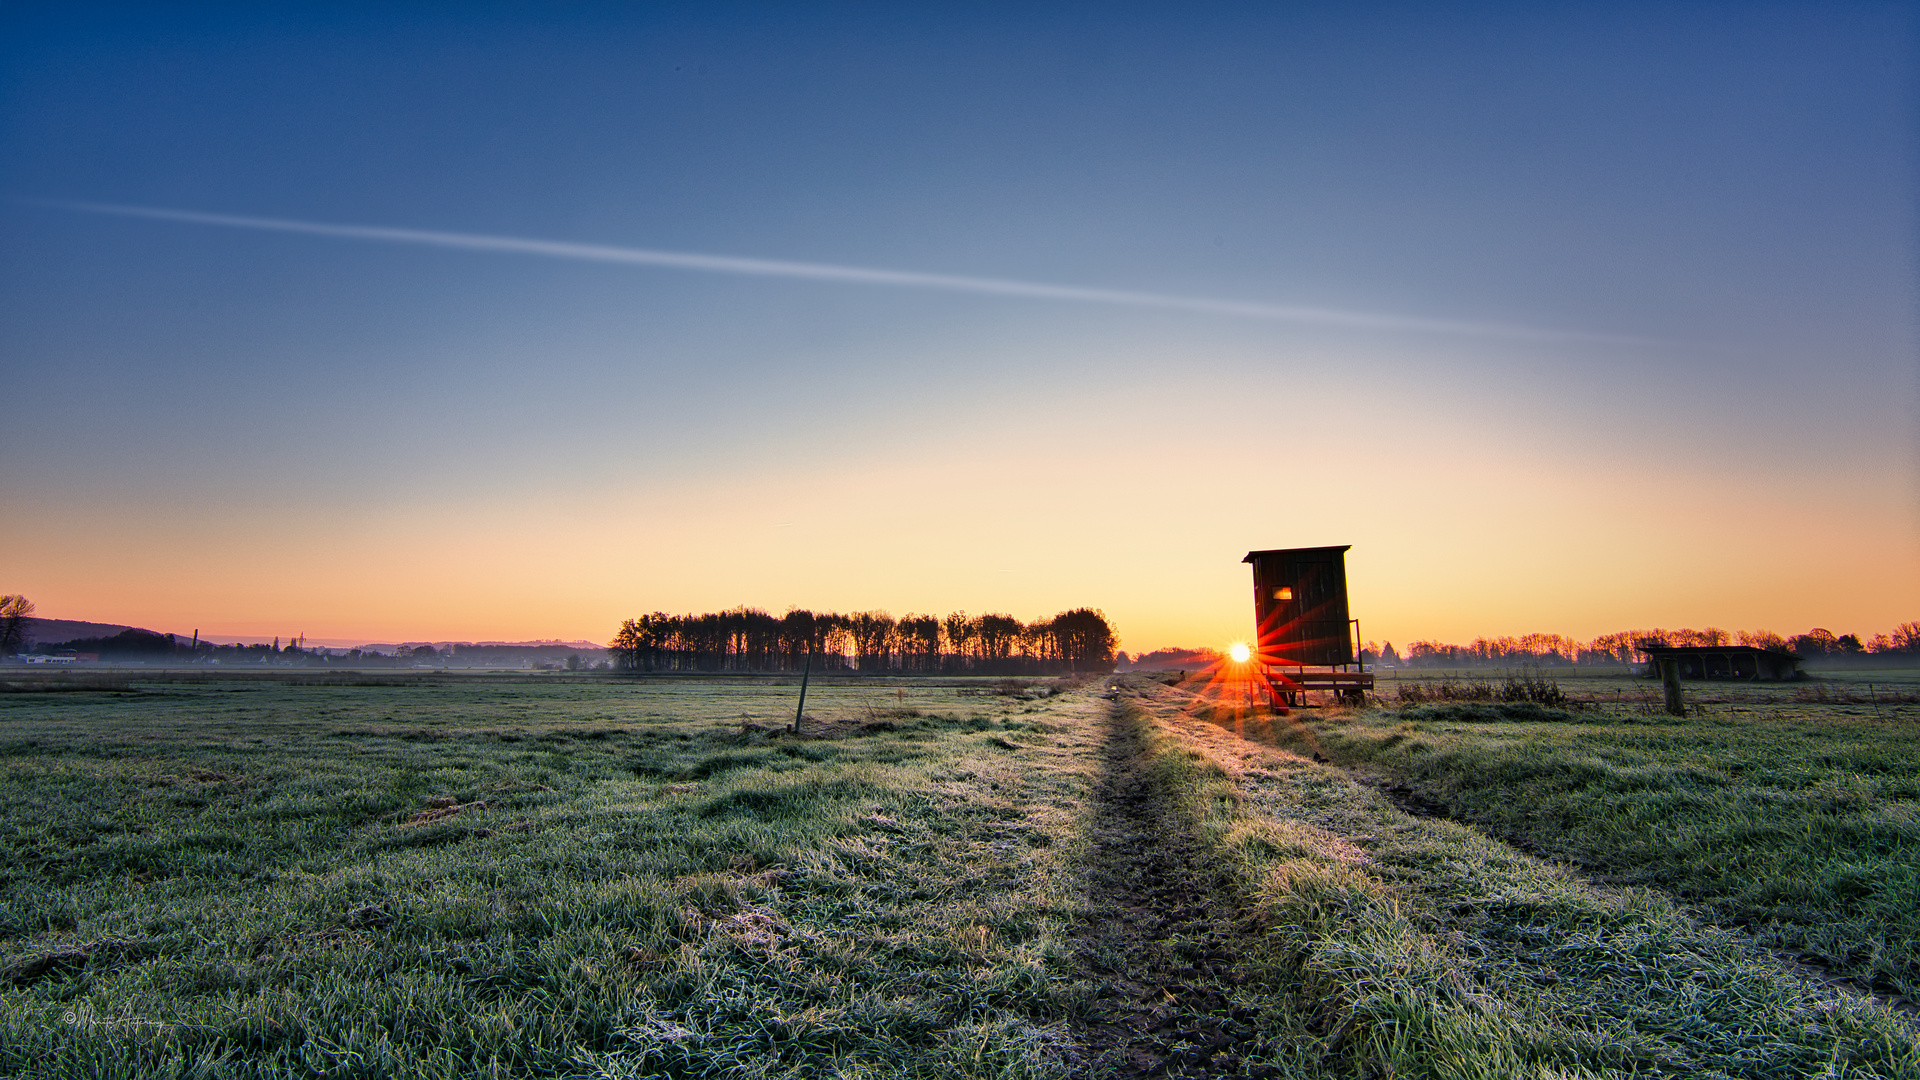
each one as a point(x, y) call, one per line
point(1800, 822)
point(612, 878)
point(269, 880)
point(1435, 950)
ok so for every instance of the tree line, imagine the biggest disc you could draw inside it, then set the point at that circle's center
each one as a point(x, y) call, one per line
point(749, 639)
point(1627, 646)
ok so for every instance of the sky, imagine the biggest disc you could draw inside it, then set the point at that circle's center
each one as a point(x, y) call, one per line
point(498, 322)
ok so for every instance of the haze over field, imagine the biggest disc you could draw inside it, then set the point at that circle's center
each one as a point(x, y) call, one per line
point(425, 325)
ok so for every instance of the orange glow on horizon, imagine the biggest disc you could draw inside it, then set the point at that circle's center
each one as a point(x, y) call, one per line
point(1606, 549)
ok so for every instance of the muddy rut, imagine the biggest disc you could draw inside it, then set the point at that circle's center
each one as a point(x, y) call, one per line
point(1160, 937)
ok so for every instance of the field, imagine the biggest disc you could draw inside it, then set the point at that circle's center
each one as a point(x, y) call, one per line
point(601, 877)
point(1791, 810)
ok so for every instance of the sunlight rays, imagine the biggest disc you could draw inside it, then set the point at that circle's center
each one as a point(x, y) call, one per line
point(1232, 692)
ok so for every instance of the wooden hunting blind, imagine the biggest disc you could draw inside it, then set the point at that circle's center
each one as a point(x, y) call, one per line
point(1307, 640)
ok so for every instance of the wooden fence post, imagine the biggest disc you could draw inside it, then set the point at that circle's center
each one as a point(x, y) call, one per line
point(1670, 685)
point(805, 674)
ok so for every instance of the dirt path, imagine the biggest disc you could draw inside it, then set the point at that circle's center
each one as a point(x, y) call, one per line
point(1160, 933)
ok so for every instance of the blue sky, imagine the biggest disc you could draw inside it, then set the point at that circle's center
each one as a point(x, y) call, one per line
point(1699, 220)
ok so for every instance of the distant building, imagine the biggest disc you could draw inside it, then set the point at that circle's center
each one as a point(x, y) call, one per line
point(1743, 662)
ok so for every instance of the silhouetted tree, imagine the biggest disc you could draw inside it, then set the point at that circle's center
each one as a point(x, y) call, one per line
point(956, 637)
point(748, 639)
point(1905, 638)
point(872, 639)
point(1764, 639)
point(918, 638)
point(1818, 641)
point(1083, 638)
point(997, 635)
point(15, 610)
point(798, 636)
point(836, 638)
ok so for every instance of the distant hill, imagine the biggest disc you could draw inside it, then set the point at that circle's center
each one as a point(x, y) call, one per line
point(54, 631)
point(543, 643)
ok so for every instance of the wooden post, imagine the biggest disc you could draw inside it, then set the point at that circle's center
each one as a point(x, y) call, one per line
point(1670, 684)
point(805, 674)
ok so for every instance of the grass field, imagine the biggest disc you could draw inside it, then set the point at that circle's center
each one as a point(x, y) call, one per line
point(1792, 811)
point(612, 878)
point(536, 880)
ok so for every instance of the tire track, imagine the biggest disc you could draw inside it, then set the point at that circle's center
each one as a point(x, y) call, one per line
point(1160, 932)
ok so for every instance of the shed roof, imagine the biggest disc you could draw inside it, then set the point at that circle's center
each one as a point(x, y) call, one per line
point(1697, 649)
point(1251, 555)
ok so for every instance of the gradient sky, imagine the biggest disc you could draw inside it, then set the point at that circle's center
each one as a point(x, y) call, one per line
point(1568, 320)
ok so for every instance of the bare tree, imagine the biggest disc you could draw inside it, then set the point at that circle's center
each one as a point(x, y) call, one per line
point(836, 639)
point(1818, 641)
point(1764, 639)
point(997, 635)
point(958, 632)
point(873, 639)
point(1905, 637)
point(919, 637)
point(14, 613)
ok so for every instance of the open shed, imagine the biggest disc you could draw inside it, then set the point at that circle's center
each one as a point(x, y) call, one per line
point(1733, 662)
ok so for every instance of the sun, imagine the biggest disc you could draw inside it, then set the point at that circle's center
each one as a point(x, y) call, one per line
point(1239, 651)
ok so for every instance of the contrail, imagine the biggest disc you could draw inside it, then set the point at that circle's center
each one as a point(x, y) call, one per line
point(728, 264)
